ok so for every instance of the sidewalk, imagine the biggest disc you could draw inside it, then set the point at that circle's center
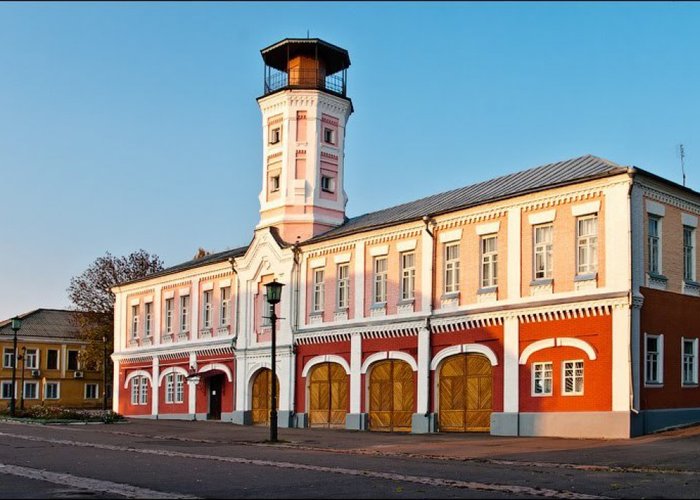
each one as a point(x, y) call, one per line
point(677, 450)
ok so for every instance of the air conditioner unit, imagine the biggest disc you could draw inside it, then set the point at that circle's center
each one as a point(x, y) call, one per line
point(78, 375)
point(36, 373)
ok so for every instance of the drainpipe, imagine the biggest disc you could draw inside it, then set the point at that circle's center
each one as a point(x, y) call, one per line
point(631, 171)
point(232, 262)
point(428, 221)
point(296, 273)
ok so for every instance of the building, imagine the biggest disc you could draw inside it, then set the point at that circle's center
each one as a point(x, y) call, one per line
point(48, 370)
point(556, 301)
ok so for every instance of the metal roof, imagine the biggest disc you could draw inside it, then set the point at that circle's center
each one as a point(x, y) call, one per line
point(47, 323)
point(334, 57)
point(527, 181)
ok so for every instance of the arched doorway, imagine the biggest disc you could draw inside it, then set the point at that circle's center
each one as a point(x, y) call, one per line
point(328, 395)
point(391, 396)
point(261, 396)
point(465, 394)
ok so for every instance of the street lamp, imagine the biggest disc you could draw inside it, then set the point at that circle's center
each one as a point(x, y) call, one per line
point(273, 294)
point(104, 373)
point(16, 325)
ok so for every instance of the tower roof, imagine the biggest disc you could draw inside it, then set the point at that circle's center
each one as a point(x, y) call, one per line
point(278, 54)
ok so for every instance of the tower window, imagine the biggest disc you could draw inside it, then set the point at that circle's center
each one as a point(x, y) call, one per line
point(275, 183)
point(329, 135)
point(275, 135)
point(327, 184)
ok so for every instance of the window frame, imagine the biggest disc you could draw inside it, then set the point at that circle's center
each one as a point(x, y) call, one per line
point(574, 375)
point(318, 292)
point(184, 313)
point(30, 383)
point(207, 297)
point(58, 359)
point(274, 183)
point(379, 279)
point(170, 388)
point(451, 271)
point(489, 261)
point(659, 381)
point(589, 244)
point(329, 136)
point(8, 356)
point(34, 357)
point(689, 271)
point(134, 321)
point(654, 242)
point(97, 390)
point(342, 293)
point(535, 378)
point(408, 275)
point(48, 384)
point(225, 305)
point(693, 362)
point(7, 383)
point(275, 136)
point(77, 359)
point(147, 319)
point(169, 303)
point(327, 184)
point(544, 248)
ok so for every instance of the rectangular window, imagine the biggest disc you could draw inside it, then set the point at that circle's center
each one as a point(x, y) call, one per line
point(147, 319)
point(73, 360)
point(543, 252)
point(179, 388)
point(654, 244)
point(134, 321)
point(168, 315)
point(51, 390)
point(587, 244)
point(31, 390)
point(408, 275)
point(343, 284)
point(380, 275)
point(452, 268)
point(184, 313)
point(542, 379)
point(327, 184)
point(224, 313)
point(573, 378)
point(139, 391)
point(319, 291)
point(7, 357)
point(91, 391)
point(688, 254)
point(275, 183)
point(144, 391)
point(135, 384)
point(31, 359)
point(170, 388)
point(653, 348)
point(6, 390)
point(206, 309)
point(52, 359)
point(329, 135)
point(690, 361)
point(275, 135)
point(489, 262)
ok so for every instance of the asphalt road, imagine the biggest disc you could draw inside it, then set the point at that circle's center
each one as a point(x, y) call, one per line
point(165, 459)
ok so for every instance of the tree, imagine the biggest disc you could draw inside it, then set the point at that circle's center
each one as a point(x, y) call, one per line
point(93, 300)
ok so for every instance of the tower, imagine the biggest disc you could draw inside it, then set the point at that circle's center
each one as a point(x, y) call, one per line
point(304, 112)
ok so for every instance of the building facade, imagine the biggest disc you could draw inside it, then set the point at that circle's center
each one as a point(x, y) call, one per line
point(48, 370)
point(556, 301)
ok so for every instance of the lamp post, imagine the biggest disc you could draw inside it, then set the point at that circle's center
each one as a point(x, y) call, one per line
point(21, 384)
point(273, 294)
point(104, 373)
point(16, 325)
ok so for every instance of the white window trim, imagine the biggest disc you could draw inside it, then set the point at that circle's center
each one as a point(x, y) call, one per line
point(58, 389)
point(563, 377)
point(492, 262)
point(24, 389)
point(450, 236)
point(660, 221)
point(593, 265)
point(4, 352)
point(487, 229)
point(37, 365)
point(693, 252)
point(346, 282)
point(582, 209)
point(384, 281)
point(455, 269)
point(318, 292)
point(551, 385)
point(97, 390)
point(550, 261)
point(58, 359)
point(694, 383)
point(660, 361)
point(542, 218)
point(8, 383)
point(410, 277)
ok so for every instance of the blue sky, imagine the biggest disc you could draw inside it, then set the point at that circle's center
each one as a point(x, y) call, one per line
point(135, 125)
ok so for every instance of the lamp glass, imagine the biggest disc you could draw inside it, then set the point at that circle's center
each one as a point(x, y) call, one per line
point(16, 323)
point(273, 292)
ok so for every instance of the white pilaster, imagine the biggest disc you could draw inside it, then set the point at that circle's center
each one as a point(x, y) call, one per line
point(426, 276)
point(514, 267)
point(359, 279)
point(621, 369)
point(302, 291)
point(192, 392)
point(194, 306)
point(637, 254)
point(423, 370)
point(618, 261)
point(155, 392)
point(511, 382)
point(355, 373)
point(157, 313)
point(116, 384)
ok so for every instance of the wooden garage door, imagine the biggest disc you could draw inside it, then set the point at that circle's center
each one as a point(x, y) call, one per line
point(391, 396)
point(328, 395)
point(261, 396)
point(465, 394)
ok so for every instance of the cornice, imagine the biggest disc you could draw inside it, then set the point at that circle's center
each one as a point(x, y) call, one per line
point(372, 239)
point(669, 199)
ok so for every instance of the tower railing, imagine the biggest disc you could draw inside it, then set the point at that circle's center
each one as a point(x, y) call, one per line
point(304, 79)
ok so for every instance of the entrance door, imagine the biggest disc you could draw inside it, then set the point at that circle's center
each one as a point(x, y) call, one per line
point(391, 396)
point(216, 384)
point(261, 396)
point(465, 394)
point(328, 395)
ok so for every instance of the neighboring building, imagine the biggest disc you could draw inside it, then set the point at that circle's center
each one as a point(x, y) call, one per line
point(561, 300)
point(48, 363)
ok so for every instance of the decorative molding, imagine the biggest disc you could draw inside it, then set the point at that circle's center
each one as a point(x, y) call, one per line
point(655, 208)
point(592, 207)
point(316, 263)
point(450, 236)
point(342, 258)
point(326, 358)
point(542, 217)
point(464, 348)
point(378, 251)
point(169, 294)
point(406, 246)
point(557, 342)
point(379, 356)
point(208, 286)
point(669, 199)
point(380, 331)
point(138, 373)
point(217, 366)
point(490, 228)
point(168, 371)
point(689, 220)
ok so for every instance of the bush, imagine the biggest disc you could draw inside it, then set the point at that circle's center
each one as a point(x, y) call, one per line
point(53, 413)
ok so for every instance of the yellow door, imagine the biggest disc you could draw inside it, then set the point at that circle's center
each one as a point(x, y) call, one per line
point(465, 394)
point(391, 396)
point(261, 396)
point(328, 395)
